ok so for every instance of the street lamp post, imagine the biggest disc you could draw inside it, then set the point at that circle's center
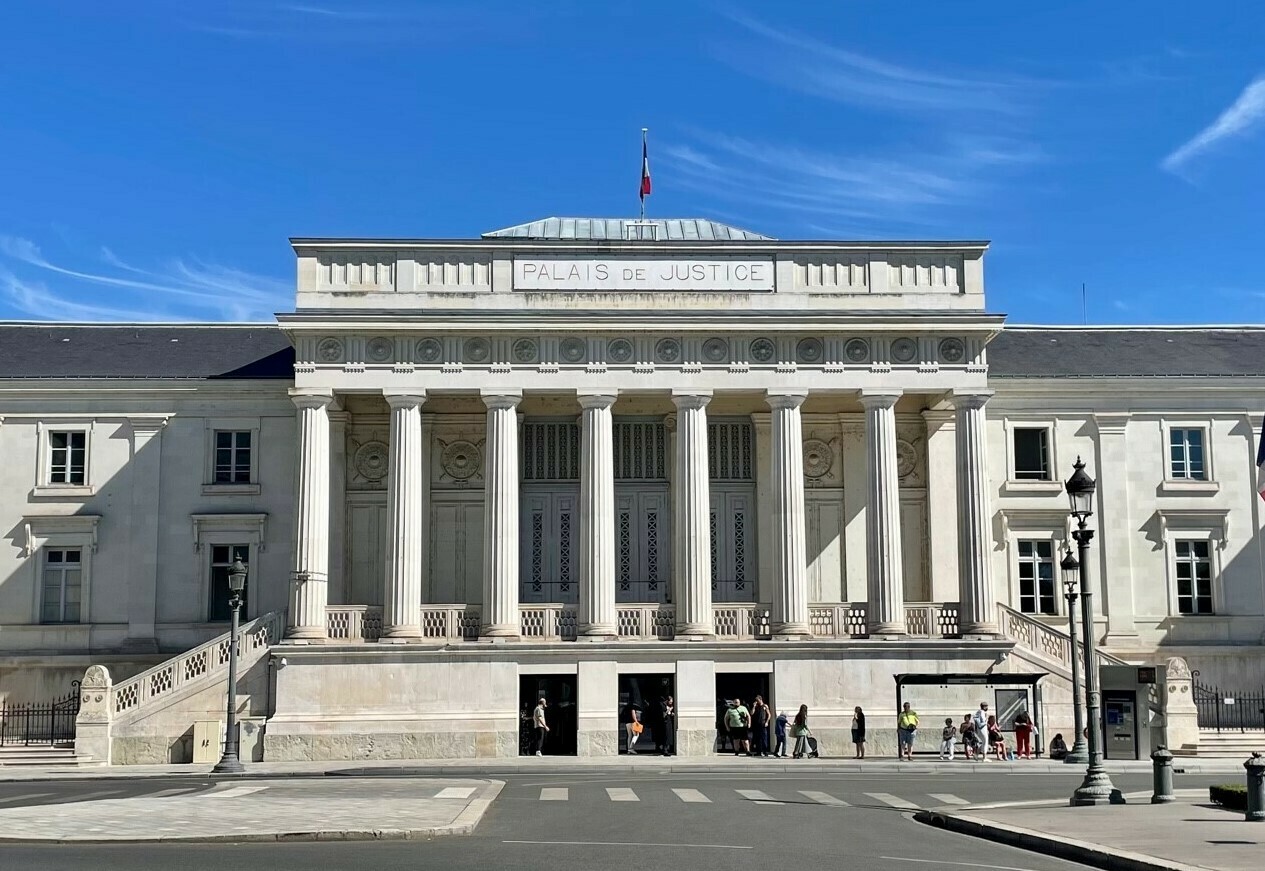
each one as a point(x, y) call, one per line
point(1077, 754)
point(1097, 787)
point(229, 762)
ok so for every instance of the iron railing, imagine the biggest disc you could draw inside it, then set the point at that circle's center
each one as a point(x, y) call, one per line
point(28, 723)
point(1229, 710)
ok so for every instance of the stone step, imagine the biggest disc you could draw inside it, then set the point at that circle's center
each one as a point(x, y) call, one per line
point(40, 755)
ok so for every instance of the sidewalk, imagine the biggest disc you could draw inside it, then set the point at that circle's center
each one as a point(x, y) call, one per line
point(602, 765)
point(1182, 836)
point(278, 810)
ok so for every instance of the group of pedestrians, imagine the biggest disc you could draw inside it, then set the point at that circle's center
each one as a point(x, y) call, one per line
point(662, 727)
point(980, 734)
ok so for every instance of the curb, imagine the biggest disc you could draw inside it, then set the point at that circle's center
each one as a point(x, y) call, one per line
point(463, 824)
point(1084, 852)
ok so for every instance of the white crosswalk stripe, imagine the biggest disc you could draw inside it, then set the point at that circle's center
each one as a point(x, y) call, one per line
point(692, 795)
point(892, 800)
point(554, 793)
point(947, 798)
point(27, 797)
point(618, 793)
point(823, 798)
point(234, 792)
point(455, 792)
point(87, 796)
point(166, 793)
point(756, 796)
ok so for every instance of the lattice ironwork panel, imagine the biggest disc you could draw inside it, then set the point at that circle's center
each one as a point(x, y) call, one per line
point(641, 450)
point(551, 451)
point(729, 451)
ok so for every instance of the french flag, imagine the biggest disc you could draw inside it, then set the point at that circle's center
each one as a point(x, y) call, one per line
point(1260, 462)
point(645, 167)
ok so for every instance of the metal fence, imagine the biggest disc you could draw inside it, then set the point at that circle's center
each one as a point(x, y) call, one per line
point(39, 722)
point(1230, 710)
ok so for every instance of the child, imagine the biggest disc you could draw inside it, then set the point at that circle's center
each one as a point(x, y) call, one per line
point(947, 735)
point(779, 731)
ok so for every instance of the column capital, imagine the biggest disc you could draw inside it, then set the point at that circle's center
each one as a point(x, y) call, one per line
point(691, 399)
point(597, 400)
point(963, 398)
point(311, 397)
point(501, 398)
point(404, 398)
point(785, 398)
point(879, 398)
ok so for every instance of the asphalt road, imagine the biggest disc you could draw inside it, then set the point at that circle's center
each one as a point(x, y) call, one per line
point(585, 821)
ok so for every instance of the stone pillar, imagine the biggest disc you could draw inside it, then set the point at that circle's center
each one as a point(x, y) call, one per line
point(145, 469)
point(96, 711)
point(942, 505)
point(309, 580)
point(1116, 505)
point(790, 549)
point(977, 611)
point(884, 569)
point(1181, 717)
point(691, 519)
point(500, 517)
point(596, 617)
point(406, 513)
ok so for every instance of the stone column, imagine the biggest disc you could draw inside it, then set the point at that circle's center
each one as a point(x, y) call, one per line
point(500, 517)
point(977, 611)
point(691, 519)
point(596, 617)
point(884, 569)
point(406, 513)
point(309, 580)
point(790, 550)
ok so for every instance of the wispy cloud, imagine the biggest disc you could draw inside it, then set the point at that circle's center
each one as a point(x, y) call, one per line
point(1245, 114)
point(181, 289)
point(334, 21)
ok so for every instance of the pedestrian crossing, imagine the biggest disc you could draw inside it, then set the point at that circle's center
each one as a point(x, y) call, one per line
point(770, 798)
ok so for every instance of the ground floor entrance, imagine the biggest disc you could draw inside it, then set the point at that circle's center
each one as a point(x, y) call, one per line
point(641, 701)
point(561, 713)
point(743, 688)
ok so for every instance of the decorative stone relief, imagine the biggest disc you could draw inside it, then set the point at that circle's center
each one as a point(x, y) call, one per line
point(952, 350)
point(906, 458)
point(371, 460)
point(857, 350)
point(573, 349)
point(430, 351)
point(526, 351)
point(380, 349)
point(476, 350)
point(716, 350)
point(368, 458)
point(460, 459)
point(667, 351)
point(904, 350)
point(809, 350)
point(330, 350)
point(818, 458)
point(762, 350)
point(619, 350)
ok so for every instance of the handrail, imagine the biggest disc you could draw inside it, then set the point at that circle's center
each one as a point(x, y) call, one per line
point(1044, 639)
point(200, 665)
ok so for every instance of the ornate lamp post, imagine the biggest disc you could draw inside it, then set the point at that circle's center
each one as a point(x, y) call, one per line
point(1097, 787)
point(229, 763)
point(1077, 754)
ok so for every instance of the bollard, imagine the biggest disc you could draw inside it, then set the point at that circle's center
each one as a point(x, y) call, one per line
point(1162, 776)
point(1255, 812)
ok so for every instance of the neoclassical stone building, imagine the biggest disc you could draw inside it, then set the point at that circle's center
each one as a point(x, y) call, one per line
point(603, 461)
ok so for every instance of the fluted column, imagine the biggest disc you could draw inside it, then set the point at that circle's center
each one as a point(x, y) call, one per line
point(309, 581)
point(691, 519)
point(884, 569)
point(977, 613)
point(596, 615)
point(500, 517)
point(790, 551)
point(406, 512)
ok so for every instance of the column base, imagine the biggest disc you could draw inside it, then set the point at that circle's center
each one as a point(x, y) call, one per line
point(501, 633)
point(305, 635)
point(792, 632)
point(695, 632)
point(400, 639)
point(887, 630)
point(980, 630)
point(598, 632)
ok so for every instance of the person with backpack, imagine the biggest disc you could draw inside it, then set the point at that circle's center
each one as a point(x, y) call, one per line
point(737, 723)
point(779, 732)
point(800, 733)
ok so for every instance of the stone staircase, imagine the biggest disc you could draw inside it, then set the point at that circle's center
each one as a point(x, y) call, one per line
point(42, 756)
point(1043, 644)
point(1230, 745)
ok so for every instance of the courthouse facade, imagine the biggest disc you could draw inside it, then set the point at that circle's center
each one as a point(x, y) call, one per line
point(607, 460)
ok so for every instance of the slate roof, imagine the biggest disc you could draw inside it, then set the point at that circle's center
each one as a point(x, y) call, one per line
point(612, 230)
point(262, 351)
point(259, 351)
point(1100, 352)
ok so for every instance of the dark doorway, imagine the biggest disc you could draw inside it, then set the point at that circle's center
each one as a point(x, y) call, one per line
point(644, 694)
point(744, 686)
point(559, 693)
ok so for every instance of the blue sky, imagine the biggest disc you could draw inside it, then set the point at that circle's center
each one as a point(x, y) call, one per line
point(157, 155)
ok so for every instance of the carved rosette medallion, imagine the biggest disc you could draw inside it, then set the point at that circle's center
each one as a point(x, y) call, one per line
point(762, 350)
point(619, 351)
point(430, 350)
point(380, 349)
point(372, 460)
point(952, 350)
point(809, 350)
point(667, 350)
point(904, 350)
point(716, 350)
point(330, 350)
point(572, 349)
point(477, 350)
point(818, 458)
point(525, 351)
point(857, 351)
point(906, 458)
point(461, 459)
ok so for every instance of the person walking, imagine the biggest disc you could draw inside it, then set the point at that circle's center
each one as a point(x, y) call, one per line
point(947, 736)
point(980, 719)
point(1023, 734)
point(906, 732)
point(800, 732)
point(668, 710)
point(632, 728)
point(779, 732)
point(737, 722)
point(858, 731)
point(542, 728)
point(760, 715)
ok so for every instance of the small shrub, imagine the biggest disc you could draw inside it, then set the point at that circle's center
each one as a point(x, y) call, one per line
point(1232, 796)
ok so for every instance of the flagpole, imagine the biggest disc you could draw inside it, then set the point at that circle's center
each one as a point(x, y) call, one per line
point(644, 131)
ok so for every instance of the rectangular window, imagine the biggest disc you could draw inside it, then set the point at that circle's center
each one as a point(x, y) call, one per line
point(1032, 454)
point(67, 460)
point(1036, 577)
point(1194, 577)
point(1186, 454)
point(222, 557)
point(232, 457)
point(63, 586)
